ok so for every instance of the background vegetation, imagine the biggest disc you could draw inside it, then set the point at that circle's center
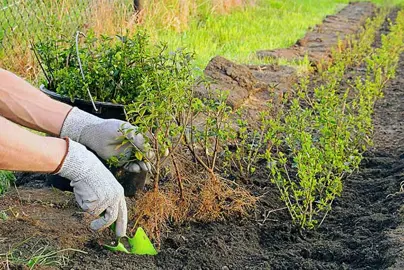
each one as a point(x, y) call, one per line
point(232, 28)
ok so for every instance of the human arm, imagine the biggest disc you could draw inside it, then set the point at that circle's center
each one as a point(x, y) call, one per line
point(22, 103)
point(95, 188)
point(21, 150)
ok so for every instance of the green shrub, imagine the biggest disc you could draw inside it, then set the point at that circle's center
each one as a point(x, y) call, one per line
point(163, 106)
point(115, 68)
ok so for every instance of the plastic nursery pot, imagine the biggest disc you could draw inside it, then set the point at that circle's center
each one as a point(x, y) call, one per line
point(131, 182)
point(105, 110)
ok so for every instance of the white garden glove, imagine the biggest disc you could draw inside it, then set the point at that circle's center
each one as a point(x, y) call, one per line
point(95, 188)
point(101, 135)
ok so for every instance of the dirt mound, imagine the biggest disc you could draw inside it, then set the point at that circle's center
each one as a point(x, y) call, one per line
point(277, 80)
point(250, 87)
point(318, 43)
point(226, 75)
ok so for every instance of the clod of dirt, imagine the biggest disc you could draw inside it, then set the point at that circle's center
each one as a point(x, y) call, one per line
point(250, 87)
point(277, 80)
point(318, 43)
point(229, 76)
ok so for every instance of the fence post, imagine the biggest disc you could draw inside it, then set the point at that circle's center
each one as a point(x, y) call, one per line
point(137, 5)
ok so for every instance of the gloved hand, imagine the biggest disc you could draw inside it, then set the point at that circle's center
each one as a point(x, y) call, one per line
point(105, 138)
point(95, 188)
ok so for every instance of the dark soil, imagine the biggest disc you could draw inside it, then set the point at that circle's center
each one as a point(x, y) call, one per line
point(363, 231)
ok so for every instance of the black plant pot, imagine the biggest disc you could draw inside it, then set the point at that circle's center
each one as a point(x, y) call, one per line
point(131, 182)
point(105, 110)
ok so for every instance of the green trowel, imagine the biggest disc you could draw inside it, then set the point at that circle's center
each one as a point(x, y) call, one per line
point(140, 244)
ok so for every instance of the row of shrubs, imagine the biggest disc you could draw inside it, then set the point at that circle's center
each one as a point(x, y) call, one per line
point(320, 135)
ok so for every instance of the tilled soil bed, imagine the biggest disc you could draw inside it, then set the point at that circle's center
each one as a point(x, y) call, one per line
point(363, 230)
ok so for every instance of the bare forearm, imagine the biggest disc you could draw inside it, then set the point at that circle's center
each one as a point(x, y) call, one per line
point(21, 150)
point(22, 103)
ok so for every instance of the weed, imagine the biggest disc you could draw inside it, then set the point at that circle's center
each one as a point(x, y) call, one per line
point(37, 255)
point(6, 180)
point(3, 215)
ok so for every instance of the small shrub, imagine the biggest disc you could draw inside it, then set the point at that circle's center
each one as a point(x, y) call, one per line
point(187, 135)
point(114, 67)
point(163, 107)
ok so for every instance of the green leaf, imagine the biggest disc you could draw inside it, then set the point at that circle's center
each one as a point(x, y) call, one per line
point(139, 155)
point(32, 262)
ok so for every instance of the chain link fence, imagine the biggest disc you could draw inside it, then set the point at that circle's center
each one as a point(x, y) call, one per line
point(26, 21)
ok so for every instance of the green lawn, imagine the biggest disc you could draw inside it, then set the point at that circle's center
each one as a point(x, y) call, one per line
point(269, 24)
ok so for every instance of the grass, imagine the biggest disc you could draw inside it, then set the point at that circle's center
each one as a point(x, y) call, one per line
point(234, 29)
point(34, 254)
point(237, 35)
point(266, 25)
point(6, 179)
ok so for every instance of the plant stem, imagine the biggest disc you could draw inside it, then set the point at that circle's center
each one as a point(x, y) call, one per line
point(179, 178)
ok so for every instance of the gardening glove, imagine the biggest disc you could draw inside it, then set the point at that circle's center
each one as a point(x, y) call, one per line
point(95, 188)
point(105, 138)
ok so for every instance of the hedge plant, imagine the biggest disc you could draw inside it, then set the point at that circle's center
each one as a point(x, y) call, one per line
point(115, 68)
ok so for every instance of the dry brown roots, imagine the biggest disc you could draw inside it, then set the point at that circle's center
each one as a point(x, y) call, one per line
point(206, 198)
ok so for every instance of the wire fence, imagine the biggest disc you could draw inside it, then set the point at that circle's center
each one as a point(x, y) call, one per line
point(25, 21)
